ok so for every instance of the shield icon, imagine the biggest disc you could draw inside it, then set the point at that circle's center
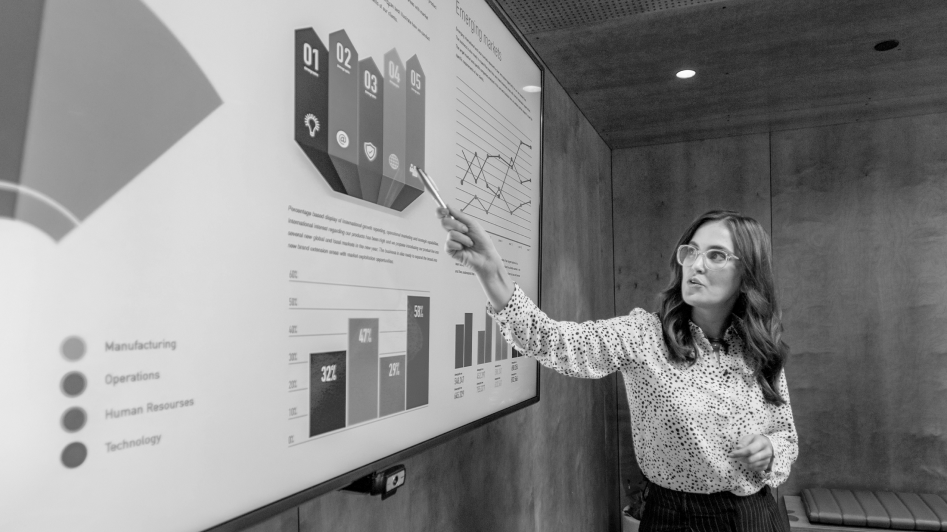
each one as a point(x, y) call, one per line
point(370, 151)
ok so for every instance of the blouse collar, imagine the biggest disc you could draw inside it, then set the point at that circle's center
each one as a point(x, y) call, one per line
point(728, 336)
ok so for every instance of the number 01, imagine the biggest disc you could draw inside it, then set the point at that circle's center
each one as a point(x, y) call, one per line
point(311, 56)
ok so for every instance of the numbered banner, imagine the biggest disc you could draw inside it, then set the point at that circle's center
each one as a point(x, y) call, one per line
point(414, 134)
point(343, 111)
point(395, 129)
point(312, 104)
point(371, 105)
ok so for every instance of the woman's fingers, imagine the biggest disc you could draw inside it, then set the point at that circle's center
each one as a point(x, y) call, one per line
point(467, 242)
point(451, 224)
point(753, 450)
point(760, 457)
point(460, 238)
point(758, 465)
point(457, 231)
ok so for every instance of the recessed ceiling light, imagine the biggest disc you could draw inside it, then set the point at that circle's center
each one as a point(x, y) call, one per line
point(532, 88)
point(884, 46)
point(685, 74)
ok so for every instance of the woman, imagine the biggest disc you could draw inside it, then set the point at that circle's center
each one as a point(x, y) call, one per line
point(712, 425)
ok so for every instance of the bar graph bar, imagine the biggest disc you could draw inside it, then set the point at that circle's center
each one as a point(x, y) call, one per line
point(488, 338)
point(363, 359)
point(468, 340)
point(418, 351)
point(326, 392)
point(391, 387)
point(501, 352)
point(459, 347)
point(480, 348)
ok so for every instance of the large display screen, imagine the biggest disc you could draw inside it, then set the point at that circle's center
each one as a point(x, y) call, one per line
point(220, 283)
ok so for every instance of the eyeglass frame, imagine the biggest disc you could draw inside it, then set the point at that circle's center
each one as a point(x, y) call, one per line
point(707, 263)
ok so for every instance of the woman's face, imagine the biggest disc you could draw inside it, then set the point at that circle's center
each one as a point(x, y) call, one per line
point(711, 289)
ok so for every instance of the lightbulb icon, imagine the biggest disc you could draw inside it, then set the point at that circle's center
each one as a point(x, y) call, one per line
point(312, 123)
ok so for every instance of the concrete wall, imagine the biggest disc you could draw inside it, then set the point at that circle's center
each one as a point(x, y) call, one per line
point(858, 214)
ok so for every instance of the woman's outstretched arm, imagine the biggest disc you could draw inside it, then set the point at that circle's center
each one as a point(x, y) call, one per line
point(591, 350)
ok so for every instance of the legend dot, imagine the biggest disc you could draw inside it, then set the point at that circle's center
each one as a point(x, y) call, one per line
point(73, 384)
point(73, 419)
point(74, 454)
point(73, 348)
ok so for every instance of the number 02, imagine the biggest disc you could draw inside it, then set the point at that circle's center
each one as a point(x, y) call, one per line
point(343, 55)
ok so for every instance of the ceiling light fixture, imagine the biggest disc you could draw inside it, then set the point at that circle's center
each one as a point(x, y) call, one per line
point(685, 74)
point(532, 88)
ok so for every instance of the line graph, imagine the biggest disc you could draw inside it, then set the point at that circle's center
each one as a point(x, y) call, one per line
point(495, 168)
point(496, 192)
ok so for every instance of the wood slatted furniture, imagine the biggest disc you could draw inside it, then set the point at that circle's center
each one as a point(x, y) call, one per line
point(823, 509)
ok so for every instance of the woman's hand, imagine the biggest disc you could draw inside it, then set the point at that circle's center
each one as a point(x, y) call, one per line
point(754, 450)
point(470, 245)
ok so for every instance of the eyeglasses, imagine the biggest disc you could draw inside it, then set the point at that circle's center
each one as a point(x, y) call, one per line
point(714, 259)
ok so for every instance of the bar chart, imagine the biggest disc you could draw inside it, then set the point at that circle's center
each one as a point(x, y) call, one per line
point(363, 361)
point(490, 345)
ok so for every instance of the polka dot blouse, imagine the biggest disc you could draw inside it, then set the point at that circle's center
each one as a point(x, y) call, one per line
point(685, 419)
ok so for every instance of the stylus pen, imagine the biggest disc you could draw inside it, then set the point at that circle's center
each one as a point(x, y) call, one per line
point(430, 186)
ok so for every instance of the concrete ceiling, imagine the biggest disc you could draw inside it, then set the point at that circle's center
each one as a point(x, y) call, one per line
point(762, 65)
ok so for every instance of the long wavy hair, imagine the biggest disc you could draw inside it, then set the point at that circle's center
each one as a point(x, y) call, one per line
point(756, 313)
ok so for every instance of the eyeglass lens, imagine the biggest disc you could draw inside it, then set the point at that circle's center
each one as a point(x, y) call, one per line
point(713, 259)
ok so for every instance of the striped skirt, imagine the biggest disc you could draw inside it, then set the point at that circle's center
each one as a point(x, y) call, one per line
point(677, 511)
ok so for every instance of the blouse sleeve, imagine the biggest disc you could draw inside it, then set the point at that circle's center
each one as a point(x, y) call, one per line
point(782, 435)
point(591, 350)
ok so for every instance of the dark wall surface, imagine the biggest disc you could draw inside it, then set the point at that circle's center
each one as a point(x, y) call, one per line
point(549, 467)
point(659, 190)
point(859, 227)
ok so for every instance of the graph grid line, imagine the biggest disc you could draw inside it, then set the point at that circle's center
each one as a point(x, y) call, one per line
point(494, 168)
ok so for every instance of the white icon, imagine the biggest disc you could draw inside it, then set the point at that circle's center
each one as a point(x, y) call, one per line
point(312, 123)
point(370, 151)
point(342, 138)
point(393, 161)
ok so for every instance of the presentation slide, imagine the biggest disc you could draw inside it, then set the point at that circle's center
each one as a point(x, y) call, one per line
point(221, 284)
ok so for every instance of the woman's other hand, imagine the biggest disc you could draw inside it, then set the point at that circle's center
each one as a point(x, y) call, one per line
point(754, 450)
